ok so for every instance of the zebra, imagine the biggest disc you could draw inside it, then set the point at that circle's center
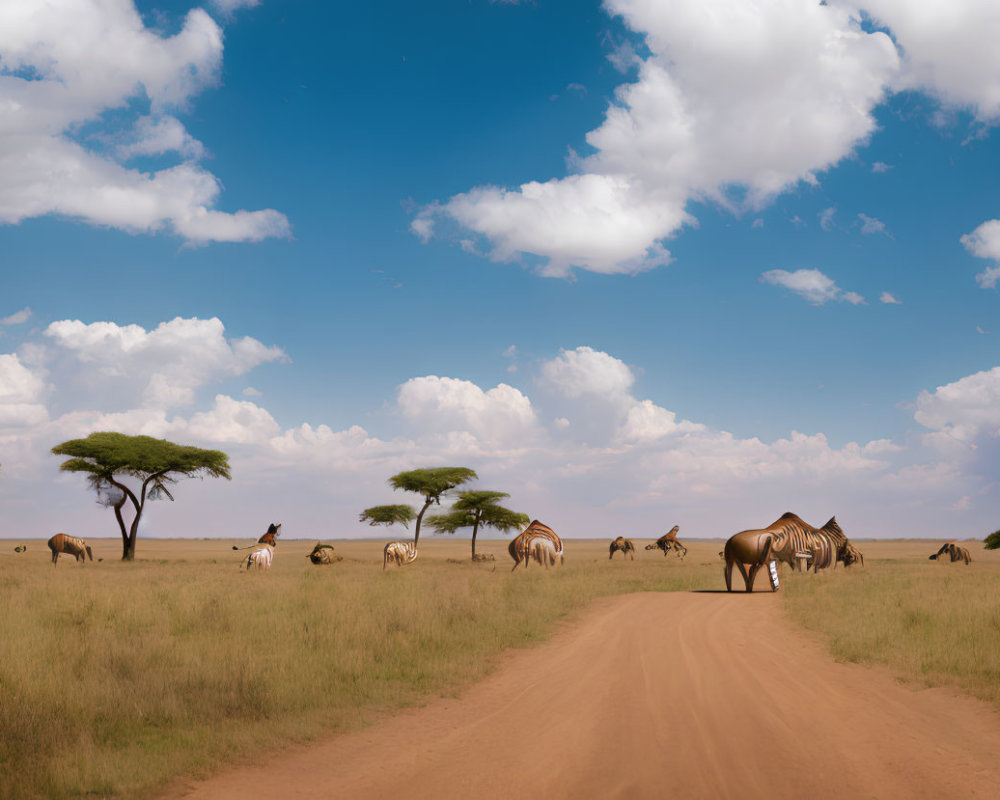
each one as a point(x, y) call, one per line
point(71, 545)
point(323, 554)
point(669, 541)
point(400, 552)
point(851, 555)
point(956, 552)
point(260, 558)
point(783, 540)
point(623, 544)
point(520, 546)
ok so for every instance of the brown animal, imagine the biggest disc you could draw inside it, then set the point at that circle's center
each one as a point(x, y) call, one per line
point(269, 538)
point(625, 545)
point(323, 554)
point(669, 542)
point(783, 540)
point(851, 555)
point(956, 552)
point(399, 552)
point(520, 546)
point(752, 548)
point(71, 545)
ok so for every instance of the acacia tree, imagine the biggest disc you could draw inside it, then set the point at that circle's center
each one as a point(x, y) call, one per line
point(992, 541)
point(477, 508)
point(431, 483)
point(108, 458)
point(388, 515)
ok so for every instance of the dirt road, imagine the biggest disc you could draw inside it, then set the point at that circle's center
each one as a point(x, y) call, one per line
point(698, 695)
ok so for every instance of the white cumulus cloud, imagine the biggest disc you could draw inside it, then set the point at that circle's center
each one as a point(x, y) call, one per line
point(63, 65)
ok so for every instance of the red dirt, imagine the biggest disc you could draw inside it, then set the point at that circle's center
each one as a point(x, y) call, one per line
point(692, 695)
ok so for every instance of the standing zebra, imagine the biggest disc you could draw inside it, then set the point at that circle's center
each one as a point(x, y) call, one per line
point(956, 552)
point(783, 540)
point(400, 552)
point(625, 545)
point(669, 541)
point(71, 545)
point(520, 546)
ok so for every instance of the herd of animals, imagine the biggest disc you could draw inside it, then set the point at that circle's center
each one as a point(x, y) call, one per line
point(788, 540)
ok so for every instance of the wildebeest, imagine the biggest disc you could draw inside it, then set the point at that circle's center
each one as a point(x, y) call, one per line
point(625, 545)
point(956, 552)
point(669, 542)
point(399, 552)
point(71, 545)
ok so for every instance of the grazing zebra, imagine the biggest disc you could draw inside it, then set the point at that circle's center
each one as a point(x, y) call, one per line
point(957, 553)
point(783, 540)
point(623, 544)
point(520, 546)
point(400, 552)
point(323, 554)
point(669, 541)
point(851, 555)
point(71, 545)
point(260, 559)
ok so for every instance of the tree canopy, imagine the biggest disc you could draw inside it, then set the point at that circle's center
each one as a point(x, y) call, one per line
point(388, 515)
point(475, 508)
point(993, 541)
point(432, 484)
point(107, 458)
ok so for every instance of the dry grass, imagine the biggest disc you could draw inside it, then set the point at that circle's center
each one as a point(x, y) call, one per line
point(932, 623)
point(116, 678)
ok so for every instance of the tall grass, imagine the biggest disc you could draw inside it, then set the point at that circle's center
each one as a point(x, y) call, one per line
point(930, 623)
point(116, 678)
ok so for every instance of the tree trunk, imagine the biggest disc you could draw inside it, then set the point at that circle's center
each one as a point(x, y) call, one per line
point(420, 516)
point(475, 530)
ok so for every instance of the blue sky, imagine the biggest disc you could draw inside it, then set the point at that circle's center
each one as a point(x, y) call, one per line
point(637, 263)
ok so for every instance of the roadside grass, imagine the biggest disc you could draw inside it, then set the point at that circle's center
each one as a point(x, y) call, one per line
point(930, 623)
point(116, 679)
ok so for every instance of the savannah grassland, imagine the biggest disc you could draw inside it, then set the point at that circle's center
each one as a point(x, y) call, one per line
point(116, 678)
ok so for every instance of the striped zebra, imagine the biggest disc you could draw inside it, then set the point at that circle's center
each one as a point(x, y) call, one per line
point(260, 559)
point(399, 552)
point(625, 545)
point(956, 552)
point(669, 542)
point(785, 540)
point(520, 546)
point(71, 545)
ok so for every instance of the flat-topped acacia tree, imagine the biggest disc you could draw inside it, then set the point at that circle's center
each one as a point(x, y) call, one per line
point(388, 515)
point(109, 458)
point(431, 483)
point(475, 508)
